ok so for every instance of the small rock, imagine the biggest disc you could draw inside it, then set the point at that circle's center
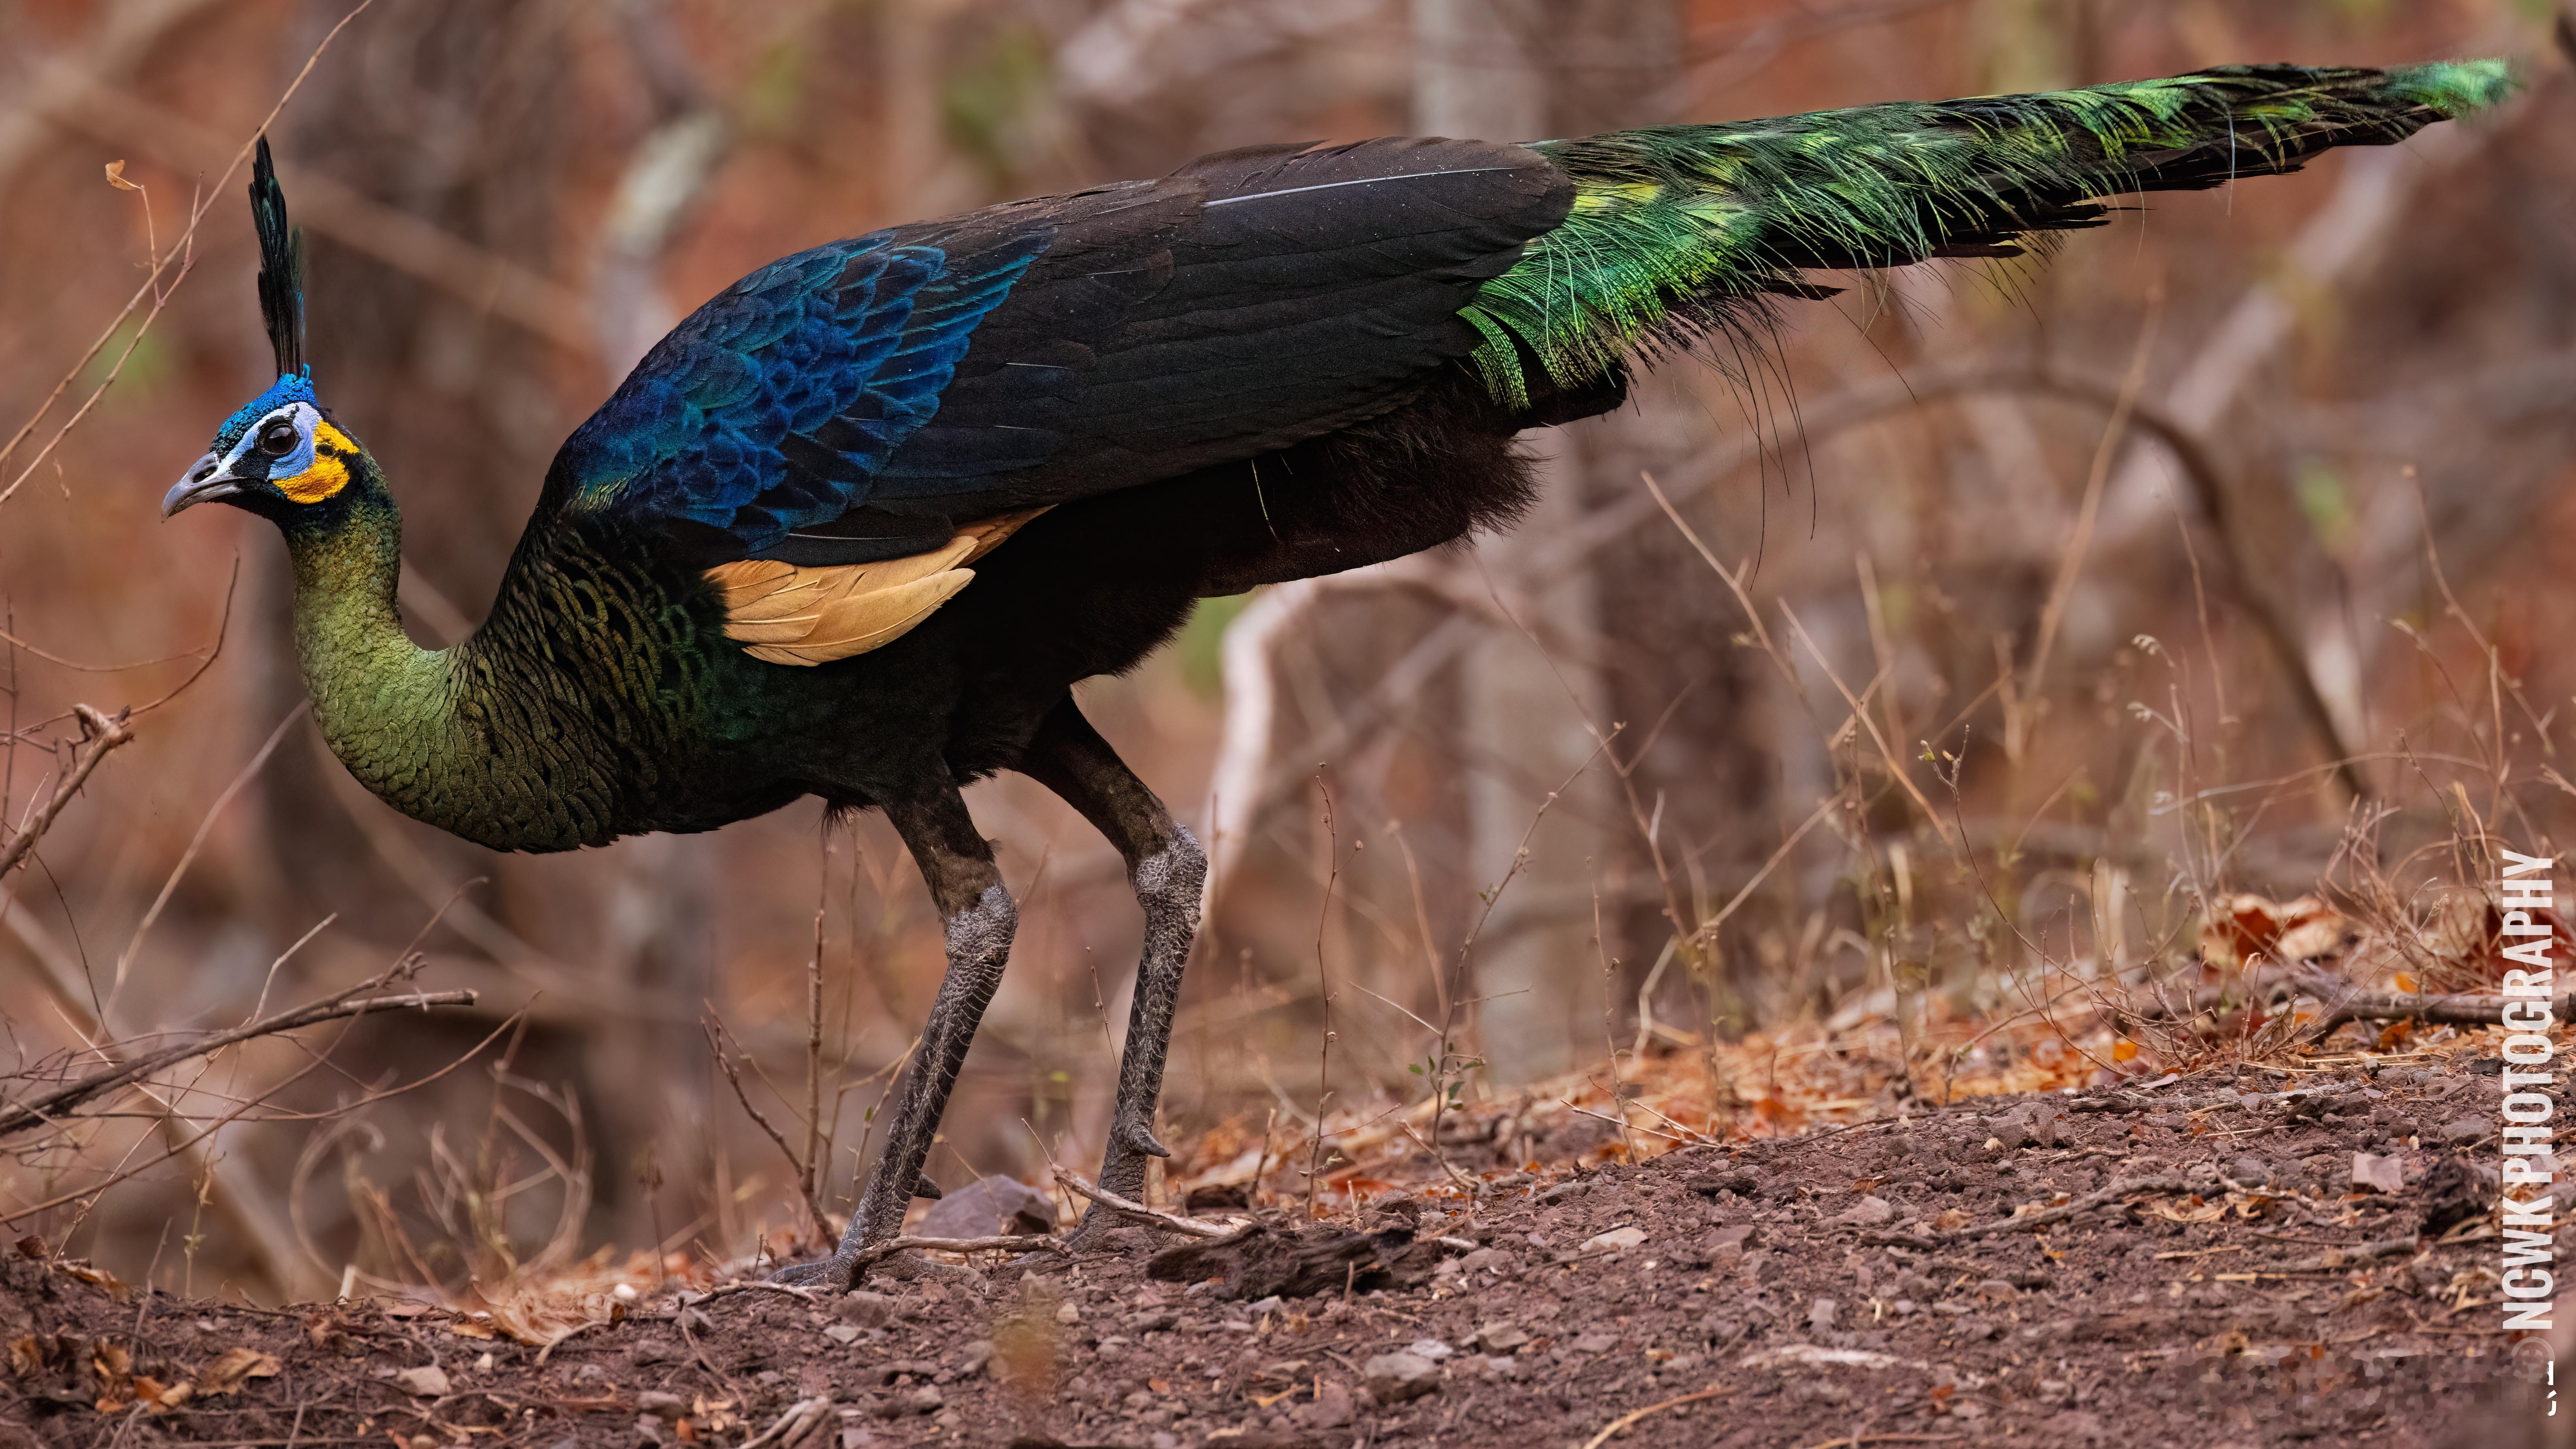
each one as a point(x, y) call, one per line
point(1154, 1320)
point(1430, 1348)
point(989, 1207)
point(1869, 1212)
point(868, 1310)
point(973, 1359)
point(1820, 1316)
point(1068, 1313)
point(844, 1334)
point(1394, 1378)
point(1501, 1338)
point(2466, 1129)
point(2379, 1174)
point(1331, 1408)
point(1615, 1240)
point(2252, 1171)
point(925, 1400)
point(429, 1381)
point(1496, 1367)
point(660, 1404)
point(1486, 1260)
point(1594, 1343)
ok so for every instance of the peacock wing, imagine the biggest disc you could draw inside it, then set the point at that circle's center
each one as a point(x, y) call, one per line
point(880, 397)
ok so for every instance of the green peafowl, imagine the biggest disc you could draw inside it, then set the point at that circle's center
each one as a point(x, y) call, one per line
point(856, 527)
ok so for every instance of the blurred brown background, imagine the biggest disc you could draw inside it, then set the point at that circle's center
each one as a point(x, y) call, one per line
point(2143, 695)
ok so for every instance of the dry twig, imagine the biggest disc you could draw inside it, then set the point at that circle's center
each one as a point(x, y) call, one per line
point(100, 733)
point(27, 1116)
point(1137, 1210)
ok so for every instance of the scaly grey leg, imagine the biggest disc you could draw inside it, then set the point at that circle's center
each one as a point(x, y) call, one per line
point(1168, 871)
point(967, 888)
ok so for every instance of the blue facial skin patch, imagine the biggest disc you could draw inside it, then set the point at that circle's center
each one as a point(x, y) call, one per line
point(291, 388)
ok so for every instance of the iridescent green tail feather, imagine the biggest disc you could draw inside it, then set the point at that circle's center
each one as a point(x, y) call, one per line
point(1675, 230)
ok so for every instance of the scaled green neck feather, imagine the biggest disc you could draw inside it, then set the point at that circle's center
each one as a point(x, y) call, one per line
point(463, 738)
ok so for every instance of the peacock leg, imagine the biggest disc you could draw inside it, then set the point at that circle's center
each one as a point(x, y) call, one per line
point(1169, 871)
point(965, 885)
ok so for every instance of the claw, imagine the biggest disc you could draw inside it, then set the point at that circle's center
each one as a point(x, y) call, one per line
point(1142, 1139)
point(925, 1189)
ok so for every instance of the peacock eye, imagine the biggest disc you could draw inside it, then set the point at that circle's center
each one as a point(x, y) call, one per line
point(279, 439)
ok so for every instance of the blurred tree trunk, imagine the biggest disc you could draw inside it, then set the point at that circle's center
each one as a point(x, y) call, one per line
point(458, 113)
point(1522, 69)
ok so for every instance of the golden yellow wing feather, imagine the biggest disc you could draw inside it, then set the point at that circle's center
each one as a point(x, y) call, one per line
point(790, 615)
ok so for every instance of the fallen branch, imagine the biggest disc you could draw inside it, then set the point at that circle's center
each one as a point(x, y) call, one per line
point(2335, 1260)
point(2032, 1222)
point(100, 733)
point(29, 1115)
point(2343, 1004)
point(1006, 1243)
point(2457, 1010)
point(1137, 1210)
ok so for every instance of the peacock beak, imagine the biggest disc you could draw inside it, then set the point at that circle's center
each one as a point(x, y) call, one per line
point(206, 480)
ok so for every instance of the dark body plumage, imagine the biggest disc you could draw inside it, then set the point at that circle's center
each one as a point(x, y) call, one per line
point(858, 525)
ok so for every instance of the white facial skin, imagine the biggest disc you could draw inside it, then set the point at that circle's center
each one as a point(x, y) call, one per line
point(212, 477)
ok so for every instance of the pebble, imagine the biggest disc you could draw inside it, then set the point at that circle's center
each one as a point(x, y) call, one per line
point(1869, 1212)
point(868, 1310)
point(1394, 1378)
point(2252, 1171)
point(1501, 1338)
point(2466, 1129)
point(1331, 1409)
point(1615, 1240)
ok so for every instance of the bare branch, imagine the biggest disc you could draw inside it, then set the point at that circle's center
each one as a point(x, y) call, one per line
point(50, 1107)
point(100, 734)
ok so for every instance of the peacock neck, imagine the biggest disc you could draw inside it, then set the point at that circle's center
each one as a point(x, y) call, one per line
point(383, 702)
point(430, 731)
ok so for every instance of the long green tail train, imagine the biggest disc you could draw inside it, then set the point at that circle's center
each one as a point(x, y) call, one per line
point(1676, 228)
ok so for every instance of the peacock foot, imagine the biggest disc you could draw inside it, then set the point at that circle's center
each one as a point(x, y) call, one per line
point(832, 1275)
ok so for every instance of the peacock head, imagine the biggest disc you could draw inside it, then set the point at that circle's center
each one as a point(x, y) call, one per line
point(281, 457)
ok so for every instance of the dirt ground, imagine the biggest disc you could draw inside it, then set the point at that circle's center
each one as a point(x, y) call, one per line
point(2187, 1264)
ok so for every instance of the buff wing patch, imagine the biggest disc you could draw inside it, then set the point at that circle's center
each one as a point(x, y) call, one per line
point(784, 614)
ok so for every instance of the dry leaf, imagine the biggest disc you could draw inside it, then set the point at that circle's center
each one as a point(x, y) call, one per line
point(428, 1381)
point(99, 1278)
point(116, 177)
point(226, 1374)
point(1951, 1220)
point(2196, 1210)
point(2124, 1051)
point(2245, 928)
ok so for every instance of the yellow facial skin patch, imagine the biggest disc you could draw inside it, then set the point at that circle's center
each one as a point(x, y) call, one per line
point(330, 471)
